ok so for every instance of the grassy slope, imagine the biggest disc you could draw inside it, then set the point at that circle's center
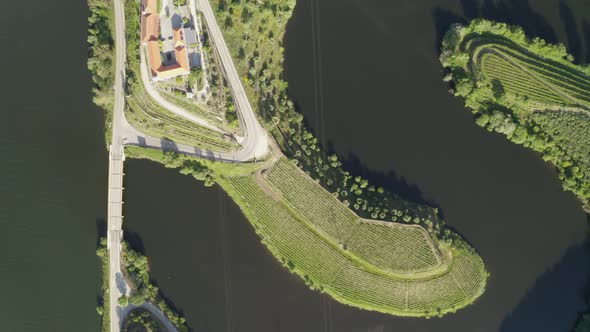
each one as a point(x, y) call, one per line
point(145, 114)
point(528, 90)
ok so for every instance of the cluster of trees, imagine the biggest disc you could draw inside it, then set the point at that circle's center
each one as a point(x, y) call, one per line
point(453, 55)
point(132, 30)
point(103, 254)
point(189, 166)
point(136, 270)
point(260, 62)
point(562, 137)
point(101, 55)
point(141, 320)
point(583, 324)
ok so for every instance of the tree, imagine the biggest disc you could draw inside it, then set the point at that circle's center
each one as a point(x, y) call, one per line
point(123, 301)
point(137, 299)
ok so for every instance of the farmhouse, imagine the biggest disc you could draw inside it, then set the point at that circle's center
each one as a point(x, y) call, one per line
point(167, 55)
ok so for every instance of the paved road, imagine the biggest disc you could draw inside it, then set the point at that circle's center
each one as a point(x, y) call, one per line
point(117, 284)
point(156, 312)
point(151, 90)
point(255, 144)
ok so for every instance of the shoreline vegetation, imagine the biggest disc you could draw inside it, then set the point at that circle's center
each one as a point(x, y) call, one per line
point(529, 91)
point(136, 271)
point(103, 306)
point(101, 58)
point(363, 245)
point(135, 267)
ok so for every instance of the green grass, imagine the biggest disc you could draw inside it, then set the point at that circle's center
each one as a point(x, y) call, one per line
point(355, 271)
point(541, 80)
point(392, 247)
point(152, 119)
point(528, 90)
point(218, 168)
point(193, 107)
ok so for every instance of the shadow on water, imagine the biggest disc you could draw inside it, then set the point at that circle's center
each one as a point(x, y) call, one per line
point(389, 180)
point(517, 12)
point(136, 243)
point(586, 32)
point(542, 308)
point(101, 229)
point(574, 41)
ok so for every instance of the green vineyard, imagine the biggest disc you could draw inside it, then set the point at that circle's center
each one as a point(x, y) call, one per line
point(543, 82)
point(527, 89)
point(151, 118)
point(401, 249)
point(387, 267)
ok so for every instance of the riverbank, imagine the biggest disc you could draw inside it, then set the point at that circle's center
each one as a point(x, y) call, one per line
point(528, 90)
point(434, 256)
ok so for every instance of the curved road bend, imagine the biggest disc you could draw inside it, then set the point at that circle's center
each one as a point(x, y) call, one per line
point(149, 88)
point(254, 145)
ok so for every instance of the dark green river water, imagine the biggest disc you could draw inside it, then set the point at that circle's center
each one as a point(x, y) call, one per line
point(366, 76)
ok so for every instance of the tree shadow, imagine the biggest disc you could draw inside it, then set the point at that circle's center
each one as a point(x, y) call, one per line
point(443, 19)
point(586, 32)
point(136, 243)
point(134, 240)
point(542, 308)
point(515, 12)
point(101, 229)
point(389, 180)
point(574, 40)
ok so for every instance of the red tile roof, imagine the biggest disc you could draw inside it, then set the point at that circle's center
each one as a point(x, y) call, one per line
point(150, 31)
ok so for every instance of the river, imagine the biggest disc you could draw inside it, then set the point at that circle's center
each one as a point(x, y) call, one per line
point(54, 170)
point(383, 107)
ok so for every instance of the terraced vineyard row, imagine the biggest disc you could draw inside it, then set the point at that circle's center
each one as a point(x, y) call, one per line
point(327, 267)
point(317, 205)
point(149, 117)
point(516, 81)
point(520, 72)
point(395, 248)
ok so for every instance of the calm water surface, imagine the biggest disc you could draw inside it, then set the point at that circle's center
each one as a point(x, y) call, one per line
point(53, 170)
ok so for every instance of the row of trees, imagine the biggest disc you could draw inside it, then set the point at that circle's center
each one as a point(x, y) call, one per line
point(136, 270)
point(141, 320)
point(101, 56)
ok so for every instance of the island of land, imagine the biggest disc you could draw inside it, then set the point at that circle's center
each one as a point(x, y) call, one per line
point(185, 75)
point(528, 90)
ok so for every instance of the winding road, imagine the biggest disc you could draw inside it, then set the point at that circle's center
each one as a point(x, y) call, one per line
point(254, 145)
